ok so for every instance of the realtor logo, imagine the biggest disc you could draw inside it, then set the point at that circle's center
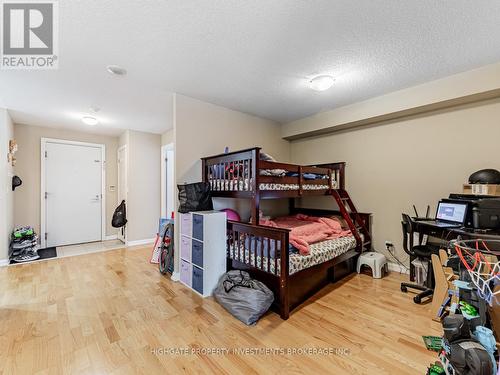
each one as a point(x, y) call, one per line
point(29, 34)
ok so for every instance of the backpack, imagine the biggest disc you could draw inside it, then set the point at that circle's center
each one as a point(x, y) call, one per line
point(120, 216)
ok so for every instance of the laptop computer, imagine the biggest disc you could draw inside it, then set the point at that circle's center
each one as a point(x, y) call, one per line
point(449, 215)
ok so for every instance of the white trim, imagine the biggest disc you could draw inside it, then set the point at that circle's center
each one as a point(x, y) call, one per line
point(141, 242)
point(111, 238)
point(43, 218)
point(4, 262)
point(121, 148)
point(163, 179)
point(395, 267)
point(163, 183)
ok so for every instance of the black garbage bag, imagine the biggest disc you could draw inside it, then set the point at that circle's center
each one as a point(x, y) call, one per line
point(120, 216)
point(195, 197)
point(245, 298)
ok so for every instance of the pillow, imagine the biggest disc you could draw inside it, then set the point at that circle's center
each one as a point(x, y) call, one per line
point(266, 157)
point(271, 172)
point(342, 221)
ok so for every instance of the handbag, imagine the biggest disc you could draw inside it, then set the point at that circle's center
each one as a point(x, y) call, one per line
point(195, 197)
point(120, 216)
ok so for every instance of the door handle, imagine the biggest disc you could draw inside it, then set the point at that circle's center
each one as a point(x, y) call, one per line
point(97, 198)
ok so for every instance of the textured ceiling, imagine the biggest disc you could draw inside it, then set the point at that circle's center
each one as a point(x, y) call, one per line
point(254, 56)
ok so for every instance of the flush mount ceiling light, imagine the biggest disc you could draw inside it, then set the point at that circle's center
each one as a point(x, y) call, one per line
point(90, 120)
point(116, 70)
point(321, 83)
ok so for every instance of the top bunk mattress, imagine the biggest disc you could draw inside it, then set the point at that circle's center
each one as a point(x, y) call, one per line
point(246, 185)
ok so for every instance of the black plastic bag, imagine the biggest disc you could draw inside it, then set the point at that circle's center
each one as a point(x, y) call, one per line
point(120, 216)
point(195, 197)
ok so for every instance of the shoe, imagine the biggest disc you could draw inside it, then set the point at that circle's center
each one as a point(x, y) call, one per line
point(25, 243)
point(21, 232)
point(28, 256)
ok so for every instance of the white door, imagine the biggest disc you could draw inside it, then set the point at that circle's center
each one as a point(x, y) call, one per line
point(73, 194)
point(122, 186)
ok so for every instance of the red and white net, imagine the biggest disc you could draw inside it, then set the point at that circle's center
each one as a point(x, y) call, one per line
point(480, 258)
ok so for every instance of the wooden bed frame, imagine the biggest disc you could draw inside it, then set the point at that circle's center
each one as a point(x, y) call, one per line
point(238, 175)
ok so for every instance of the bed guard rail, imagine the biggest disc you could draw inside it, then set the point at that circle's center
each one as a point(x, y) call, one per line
point(260, 247)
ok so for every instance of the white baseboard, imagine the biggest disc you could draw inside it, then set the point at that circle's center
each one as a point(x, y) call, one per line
point(111, 238)
point(176, 276)
point(4, 262)
point(141, 242)
point(395, 267)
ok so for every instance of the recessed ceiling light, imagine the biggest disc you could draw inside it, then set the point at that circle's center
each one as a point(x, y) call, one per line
point(321, 83)
point(116, 70)
point(90, 120)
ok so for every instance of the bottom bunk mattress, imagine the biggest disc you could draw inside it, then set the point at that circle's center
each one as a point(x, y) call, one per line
point(320, 252)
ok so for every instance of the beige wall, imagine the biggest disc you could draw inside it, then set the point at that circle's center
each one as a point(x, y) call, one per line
point(167, 137)
point(124, 139)
point(27, 197)
point(143, 206)
point(204, 129)
point(6, 194)
point(416, 160)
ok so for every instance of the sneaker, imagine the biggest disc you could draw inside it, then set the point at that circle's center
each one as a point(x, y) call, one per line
point(28, 256)
point(21, 232)
point(23, 244)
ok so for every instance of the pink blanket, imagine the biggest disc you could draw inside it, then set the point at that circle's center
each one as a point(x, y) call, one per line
point(306, 230)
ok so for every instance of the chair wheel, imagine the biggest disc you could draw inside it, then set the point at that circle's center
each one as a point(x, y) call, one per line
point(404, 289)
point(417, 299)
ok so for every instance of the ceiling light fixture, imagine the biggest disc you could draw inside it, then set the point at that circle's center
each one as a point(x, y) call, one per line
point(90, 120)
point(116, 70)
point(321, 83)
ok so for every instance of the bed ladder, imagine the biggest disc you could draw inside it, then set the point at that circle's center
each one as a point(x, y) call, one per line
point(352, 217)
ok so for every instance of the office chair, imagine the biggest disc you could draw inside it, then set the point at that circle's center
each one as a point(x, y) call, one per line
point(422, 252)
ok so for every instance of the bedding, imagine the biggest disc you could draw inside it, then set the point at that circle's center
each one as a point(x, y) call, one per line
point(243, 185)
point(309, 176)
point(307, 230)
point(320, 252)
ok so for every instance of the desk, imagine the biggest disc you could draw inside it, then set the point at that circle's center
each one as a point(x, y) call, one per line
point(448, 234)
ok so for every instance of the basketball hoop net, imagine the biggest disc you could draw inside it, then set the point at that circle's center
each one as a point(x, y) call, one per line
point(482, 265)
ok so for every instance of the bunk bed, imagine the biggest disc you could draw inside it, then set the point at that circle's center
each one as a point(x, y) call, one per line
point(265, 251)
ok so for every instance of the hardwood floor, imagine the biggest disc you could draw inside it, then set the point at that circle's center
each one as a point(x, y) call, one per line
point(113, 313)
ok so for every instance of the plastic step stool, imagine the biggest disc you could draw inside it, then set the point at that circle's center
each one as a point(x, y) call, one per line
point(376, 261)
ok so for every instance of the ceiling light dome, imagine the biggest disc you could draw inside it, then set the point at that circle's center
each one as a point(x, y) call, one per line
point(321, 83)
point(90, 120)
point(116, 70)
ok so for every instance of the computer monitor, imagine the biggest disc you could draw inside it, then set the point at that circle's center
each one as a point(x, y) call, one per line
point(451, 212)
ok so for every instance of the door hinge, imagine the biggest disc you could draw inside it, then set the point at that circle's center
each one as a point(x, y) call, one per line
point(46, 195)
point(45, 236)
point(45, 154)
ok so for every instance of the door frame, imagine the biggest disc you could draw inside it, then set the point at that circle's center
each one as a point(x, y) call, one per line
point(43, 187)
point(124, 147)
point(163, 176)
